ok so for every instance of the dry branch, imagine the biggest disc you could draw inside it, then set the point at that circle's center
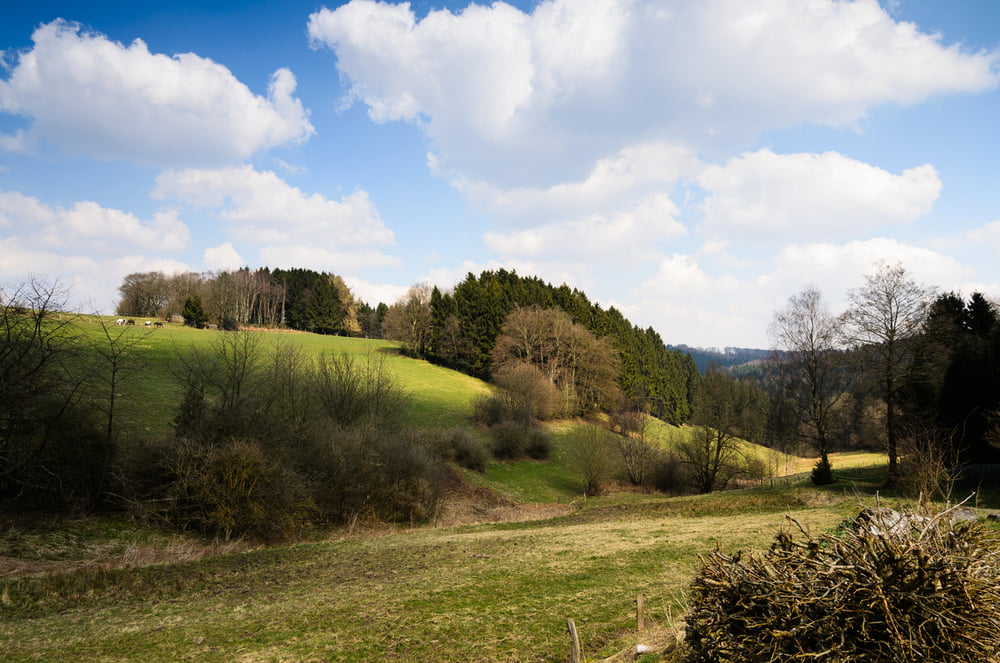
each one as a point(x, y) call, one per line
point(885, 587)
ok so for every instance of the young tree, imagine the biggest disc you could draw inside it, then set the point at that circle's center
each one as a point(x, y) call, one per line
point(50, 446)
point(810, 367)
point(117, 350)
point(884, 316)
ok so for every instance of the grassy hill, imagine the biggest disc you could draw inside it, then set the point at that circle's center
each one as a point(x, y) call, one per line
point(439, 398)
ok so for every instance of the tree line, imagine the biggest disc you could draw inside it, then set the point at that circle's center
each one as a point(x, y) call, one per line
point(914, 371)
point(301, 299)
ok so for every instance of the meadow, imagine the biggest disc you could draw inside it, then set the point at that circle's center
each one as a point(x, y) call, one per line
point(488, 592)
point(104, 589)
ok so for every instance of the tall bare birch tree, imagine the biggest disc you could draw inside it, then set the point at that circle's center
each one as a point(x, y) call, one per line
point(806, 338)
point(884, 316)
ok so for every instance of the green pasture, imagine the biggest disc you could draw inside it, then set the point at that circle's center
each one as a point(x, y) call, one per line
point(439, 398)
point(495, 592)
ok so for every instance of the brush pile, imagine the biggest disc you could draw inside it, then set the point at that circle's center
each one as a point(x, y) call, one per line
point(886, 587)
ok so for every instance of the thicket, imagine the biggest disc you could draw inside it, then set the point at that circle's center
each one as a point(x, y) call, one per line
point(55, 449)
point(888, 587)
point(269, 443)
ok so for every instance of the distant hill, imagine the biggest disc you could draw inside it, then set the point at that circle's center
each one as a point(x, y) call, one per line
point(704, 358)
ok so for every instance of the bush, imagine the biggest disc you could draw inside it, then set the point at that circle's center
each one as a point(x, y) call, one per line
point(667, 475)
point(233, 490)
point(490, 410)
point(373, 472)
point(465, 449)
point(590, 454)
point(513, 440)
point(888, 587)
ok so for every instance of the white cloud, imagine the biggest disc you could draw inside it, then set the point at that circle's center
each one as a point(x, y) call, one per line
point(96, 97)
point(509, 98)
point(292, 228)
point(88, 228)
point(612, 184)
point(374, 294)
point(222, 257)
point(92, 281)
point(700, 302)
point(836, 268)
point(624, 238)
point(766, 196)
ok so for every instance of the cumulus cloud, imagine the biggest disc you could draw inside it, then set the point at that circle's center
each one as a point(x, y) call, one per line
point(627, 237)
point(222, 257)
point(92, 281)
point(510, 97)
point(291, 228)
point(789, 197)
point(611, 184)
point(697, 300)
point(96, 97)
point(88, 228)
point(840, 267)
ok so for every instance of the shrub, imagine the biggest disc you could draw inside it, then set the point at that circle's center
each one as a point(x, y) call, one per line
point(233, 490)
point(667, 475)
point(590, 455)
point(822, 472)
point(513, 440)
point(375, 472)
point(888, 587)
point(466, 450)
point(491, 409)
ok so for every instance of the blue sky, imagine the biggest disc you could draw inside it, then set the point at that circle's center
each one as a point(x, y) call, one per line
point(692, 164)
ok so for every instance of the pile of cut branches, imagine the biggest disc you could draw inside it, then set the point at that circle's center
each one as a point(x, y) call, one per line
point(887, 587)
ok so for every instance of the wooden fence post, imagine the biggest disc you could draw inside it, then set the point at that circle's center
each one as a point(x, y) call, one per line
point(640, 610)
point(571, 627)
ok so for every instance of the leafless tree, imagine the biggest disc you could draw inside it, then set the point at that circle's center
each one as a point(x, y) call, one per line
point(728, 412)
point(884, 316)
point(117, 350)
point(809, 363)
point(409, 320)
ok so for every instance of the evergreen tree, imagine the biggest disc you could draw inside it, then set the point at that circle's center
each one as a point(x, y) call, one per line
point(193, 312)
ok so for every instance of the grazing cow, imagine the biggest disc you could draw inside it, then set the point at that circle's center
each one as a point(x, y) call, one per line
point(120, 322)
point(157, 324)
point(130, 322)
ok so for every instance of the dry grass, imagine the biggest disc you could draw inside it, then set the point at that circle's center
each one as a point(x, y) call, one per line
point(490, 592)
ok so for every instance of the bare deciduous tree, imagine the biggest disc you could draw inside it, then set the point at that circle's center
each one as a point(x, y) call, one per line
point(409, 320)
point(728, 412)
point(809, 365)
point(883, 317)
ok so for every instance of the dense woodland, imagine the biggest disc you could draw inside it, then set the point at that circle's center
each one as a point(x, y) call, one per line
point(905, 370)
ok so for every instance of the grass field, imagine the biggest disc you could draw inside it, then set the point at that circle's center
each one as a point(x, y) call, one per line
point(438, 397)
point(496, 592)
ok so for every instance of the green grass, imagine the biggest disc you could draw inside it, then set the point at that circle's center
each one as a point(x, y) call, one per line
point(439, 398)
point(474, 593)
